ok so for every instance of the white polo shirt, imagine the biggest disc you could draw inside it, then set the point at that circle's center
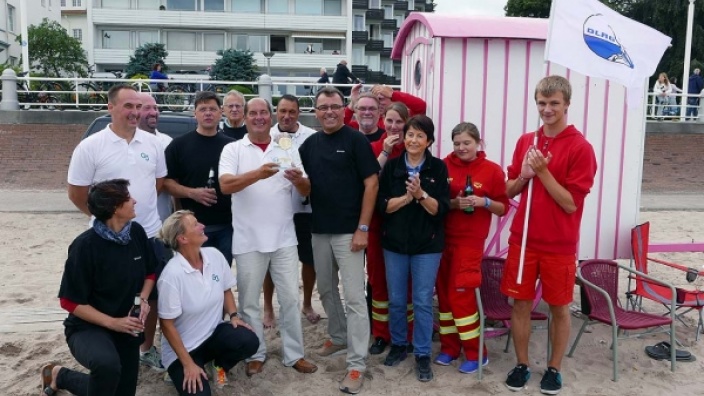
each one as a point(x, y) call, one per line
point(164, 205)
point(262, 214)
point(298, 138)
point(104, 156)
point(193, 299)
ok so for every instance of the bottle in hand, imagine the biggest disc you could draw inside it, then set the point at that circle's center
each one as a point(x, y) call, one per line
point(468, 190)
point(211, 179)
point(136, 309)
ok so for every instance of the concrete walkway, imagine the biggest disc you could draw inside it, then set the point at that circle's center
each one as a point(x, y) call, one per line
point(58, 202)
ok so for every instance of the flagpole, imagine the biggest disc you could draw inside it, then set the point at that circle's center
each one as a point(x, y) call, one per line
point(687, 57)
point(25, 35)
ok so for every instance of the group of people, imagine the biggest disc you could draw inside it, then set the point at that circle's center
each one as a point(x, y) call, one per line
point(366, 188)
point(665, 91)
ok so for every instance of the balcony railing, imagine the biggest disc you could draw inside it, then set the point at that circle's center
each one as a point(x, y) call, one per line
point(360, 4)
point(375, 15)
point(386, 52)
point(374, 45)
point(360, 37)
point(389, 24)
point(400, 6)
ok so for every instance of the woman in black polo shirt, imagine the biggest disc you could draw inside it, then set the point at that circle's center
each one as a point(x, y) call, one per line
point(108, 267)
point(414, 198)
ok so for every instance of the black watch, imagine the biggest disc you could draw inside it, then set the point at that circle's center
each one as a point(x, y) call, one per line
point(235, 315)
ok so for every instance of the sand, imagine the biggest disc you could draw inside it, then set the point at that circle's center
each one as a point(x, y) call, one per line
point(31, 333)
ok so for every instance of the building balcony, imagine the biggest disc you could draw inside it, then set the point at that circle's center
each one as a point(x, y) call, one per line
point(374, 46)
point(400, 6)
point(218, 20)
point(360, 4)
point(360, 37)
point(388, 24)
point(385, 52)
point(429, 7)
point(375, 15)
point(360, 71)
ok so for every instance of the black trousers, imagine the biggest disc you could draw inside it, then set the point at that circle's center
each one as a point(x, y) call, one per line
point(226, 346)
point(112, 359)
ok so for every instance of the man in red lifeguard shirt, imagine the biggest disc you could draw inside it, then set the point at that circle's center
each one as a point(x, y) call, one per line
point(561, 166)
point(386, 95)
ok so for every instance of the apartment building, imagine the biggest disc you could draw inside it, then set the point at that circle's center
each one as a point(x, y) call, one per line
point(10, 24)
point(303, 35)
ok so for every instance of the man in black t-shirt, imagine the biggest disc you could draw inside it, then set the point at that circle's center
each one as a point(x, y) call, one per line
point(342, 174)
point(190, 159)
point(233, 107)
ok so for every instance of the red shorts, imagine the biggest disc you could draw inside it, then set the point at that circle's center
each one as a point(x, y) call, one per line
point(556, 272)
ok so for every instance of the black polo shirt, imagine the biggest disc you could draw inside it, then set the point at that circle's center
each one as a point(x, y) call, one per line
point(105, 275)
point(234, 133)
point(337, 165)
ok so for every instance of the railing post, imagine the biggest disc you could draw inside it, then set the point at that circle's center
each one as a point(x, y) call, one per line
point(9, 90)
point(265, 87)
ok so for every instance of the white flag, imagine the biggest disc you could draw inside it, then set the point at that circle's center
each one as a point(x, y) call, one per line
point(591, 38)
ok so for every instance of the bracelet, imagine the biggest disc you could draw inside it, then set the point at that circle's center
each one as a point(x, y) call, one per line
point(487, 202)
point(386, 153)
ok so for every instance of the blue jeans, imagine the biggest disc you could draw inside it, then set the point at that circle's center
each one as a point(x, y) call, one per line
point(220, 237)
point(692, 107)
point(423, 269)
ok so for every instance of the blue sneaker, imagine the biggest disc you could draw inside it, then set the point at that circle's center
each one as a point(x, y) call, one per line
point(551, 384)
point(443, 359)
point(472, 366)
point(518, 377)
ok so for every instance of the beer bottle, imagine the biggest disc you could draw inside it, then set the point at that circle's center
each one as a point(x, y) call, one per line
point(468, 190)
point(136, 309)
point(211, 179)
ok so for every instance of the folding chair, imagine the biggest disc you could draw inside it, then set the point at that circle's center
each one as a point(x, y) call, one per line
point(600, 278)
point(493, 304)
point(687, 300)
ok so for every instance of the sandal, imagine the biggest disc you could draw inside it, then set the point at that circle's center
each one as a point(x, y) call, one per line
point(661, 351)
point(45, 378)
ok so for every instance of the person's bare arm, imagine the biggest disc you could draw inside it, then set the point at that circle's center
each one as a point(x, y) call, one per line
point(79, 196)
point(204, 196)
point(371, 188)
point(230, 184)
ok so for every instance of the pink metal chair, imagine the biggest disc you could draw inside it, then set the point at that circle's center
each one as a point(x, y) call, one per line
point(600, 278)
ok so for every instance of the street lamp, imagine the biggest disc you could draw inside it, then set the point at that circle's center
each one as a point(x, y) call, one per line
point(268, 55)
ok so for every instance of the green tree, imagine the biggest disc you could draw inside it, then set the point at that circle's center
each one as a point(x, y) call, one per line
point(53, 52)
point(528, 8)
point(145, 57)
point(234, 65)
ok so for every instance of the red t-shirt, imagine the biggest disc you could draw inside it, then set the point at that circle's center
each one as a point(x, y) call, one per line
point(573, 165)
point(488, 180)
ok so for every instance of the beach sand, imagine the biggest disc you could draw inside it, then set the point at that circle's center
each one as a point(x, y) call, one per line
point(33, 247)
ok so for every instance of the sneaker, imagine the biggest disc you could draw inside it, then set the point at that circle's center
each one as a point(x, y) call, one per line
point(352, 383)
point(396, 355)
point(551, 384)
point(216, 374)
point(378, 346)
point(423, 370)
point(518, 377)
point(443, 359)
point(472, 366)
point(152, 359)
point(167, 379)
point(330, 349)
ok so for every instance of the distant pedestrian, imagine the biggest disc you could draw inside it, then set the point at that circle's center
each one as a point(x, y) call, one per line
point(343, 75)
point(694, 89)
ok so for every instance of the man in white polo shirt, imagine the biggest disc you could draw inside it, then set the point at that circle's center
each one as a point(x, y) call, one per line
point(123, 151)
point(260, 174)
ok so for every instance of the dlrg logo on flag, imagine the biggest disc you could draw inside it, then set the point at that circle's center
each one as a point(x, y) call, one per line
point(592, 39)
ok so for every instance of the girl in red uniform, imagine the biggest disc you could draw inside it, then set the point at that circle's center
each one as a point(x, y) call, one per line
point(466, 231)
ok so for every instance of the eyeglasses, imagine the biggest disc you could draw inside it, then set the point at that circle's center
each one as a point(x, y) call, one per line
point(363, 109)
point(335, 107)
point(234, 106)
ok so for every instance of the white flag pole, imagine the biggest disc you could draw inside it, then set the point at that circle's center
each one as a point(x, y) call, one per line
point(529, 198)
point(687, 57)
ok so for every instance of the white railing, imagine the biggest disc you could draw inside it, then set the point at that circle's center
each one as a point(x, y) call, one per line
point(673, 107)
point(54, 93)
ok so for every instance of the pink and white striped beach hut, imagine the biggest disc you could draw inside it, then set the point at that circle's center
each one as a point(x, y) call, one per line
point(484, 70)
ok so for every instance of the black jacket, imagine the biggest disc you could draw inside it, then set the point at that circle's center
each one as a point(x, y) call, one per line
point(411, 229)
point(324, 79)
point(343, 75)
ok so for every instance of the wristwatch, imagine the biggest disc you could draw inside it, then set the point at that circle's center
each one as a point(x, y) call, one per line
point(363, 228)
point(235, 315)
point(423, 197)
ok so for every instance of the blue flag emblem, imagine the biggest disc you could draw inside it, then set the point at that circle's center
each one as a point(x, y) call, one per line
point(602, 40)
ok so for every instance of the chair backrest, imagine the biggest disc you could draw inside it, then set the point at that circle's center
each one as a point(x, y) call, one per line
point(603, 274)
point(640, 238)
point(490, 289)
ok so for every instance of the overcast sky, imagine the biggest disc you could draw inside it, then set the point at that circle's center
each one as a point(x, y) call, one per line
point(481, 7)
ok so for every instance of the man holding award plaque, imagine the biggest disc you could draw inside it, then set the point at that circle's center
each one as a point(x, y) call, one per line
point(261, 173)
point(289, 129)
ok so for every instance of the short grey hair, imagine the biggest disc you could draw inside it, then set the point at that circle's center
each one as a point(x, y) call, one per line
point(235, 93)
point(173, 227)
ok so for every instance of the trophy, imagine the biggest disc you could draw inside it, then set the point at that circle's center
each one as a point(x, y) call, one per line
point(285, 143)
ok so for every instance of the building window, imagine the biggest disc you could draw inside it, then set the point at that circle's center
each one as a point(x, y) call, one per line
point(375, 4)
point(388, 40)
point(278, 7)
point(147, 37)
point(388, 12)
point(116, 39)
point(213, 41)
point(44, 3)
point(76, 3)
point(11, 18)
point(181, 5)
point(357, 55)
point(253, 6)
point(245, 42)
point(148, 4)
point(181, 41)
point(359, 23)
point(115, 4)
point(78, 34)
point(214, 5)
point(277, 43)
point(14, 61)
point(332, 7)
point(63, 3)
point(309, 7)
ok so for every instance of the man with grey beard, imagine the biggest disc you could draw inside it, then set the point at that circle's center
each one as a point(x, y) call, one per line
point(367, 112)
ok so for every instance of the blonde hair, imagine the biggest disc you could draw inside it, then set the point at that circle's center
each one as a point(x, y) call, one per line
point(550, 85)
point(173, 227)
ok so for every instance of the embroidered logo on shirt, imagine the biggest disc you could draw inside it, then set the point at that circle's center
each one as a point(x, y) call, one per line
point(145, 156)
point(216, 278)
point(340, 151)
point(137, 258)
